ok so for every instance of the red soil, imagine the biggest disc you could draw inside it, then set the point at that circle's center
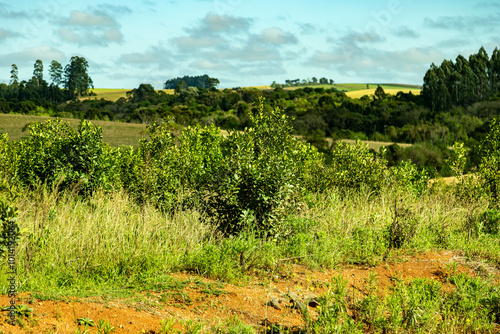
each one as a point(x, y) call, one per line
point(212, 302)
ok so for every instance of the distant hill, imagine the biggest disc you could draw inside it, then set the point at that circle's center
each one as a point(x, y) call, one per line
point(357, 90)
point(354, 90)
point(113, 94)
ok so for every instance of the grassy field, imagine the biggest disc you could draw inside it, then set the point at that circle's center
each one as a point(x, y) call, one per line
point(361, 87)
point(349, 87)
point(374, 145)
point(114, 133)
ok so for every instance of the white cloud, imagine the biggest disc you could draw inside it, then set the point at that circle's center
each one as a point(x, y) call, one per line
point(249, 53)
point(189, 43)
point(211, 32)
point(376, 64)
point(307, 28)
point(224, 23)
point(90, 37)
point(206, 64)
point(154, 56)
point(7, 13)
point(112, 35)
point(464, 23)
point(92, 27)
point(363, 37)
point(84, 19)
point(277, 36)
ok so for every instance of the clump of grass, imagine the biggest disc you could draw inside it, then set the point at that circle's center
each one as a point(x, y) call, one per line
point(104, 238)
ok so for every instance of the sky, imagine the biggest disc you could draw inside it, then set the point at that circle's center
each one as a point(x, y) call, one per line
point(242, 42)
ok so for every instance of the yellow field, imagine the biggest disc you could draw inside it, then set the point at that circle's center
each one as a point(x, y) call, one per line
point(261, 87)
point(356, 94)
point(113, 94)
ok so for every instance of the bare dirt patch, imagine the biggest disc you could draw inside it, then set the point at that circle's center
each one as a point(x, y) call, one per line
point(258, 301)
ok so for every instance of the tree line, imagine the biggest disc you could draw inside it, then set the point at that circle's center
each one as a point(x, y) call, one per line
point(303, 82)
point(67, 83)
point(199, 81)
point(462, 82)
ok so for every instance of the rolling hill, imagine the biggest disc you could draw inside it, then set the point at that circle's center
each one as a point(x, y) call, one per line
point(354, 90)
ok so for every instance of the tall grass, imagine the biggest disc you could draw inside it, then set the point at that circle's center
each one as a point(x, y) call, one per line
point(73, 243)
point(105, 238)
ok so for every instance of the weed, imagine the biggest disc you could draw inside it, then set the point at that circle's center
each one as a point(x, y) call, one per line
point(104, 327)
point(22, 310)
point(234, 325)
point(192, 327)
point(167, 326)
point(85, 322)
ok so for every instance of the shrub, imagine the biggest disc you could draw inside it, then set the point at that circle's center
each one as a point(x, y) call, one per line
point(8, 159)
point(354, 166)
point(247, 179)
point(407, 175)
point(163, 169)
point(58, 154)
point(402, 229)
point(489, 168)
point(264, 173)
point(147, 173)
point(491, 221)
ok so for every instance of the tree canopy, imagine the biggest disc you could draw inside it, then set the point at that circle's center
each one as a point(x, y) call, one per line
point(462, 82)
point(199, 81)
point(76, 78)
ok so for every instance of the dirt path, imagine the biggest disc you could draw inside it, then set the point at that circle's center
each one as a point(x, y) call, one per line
point(212, 302)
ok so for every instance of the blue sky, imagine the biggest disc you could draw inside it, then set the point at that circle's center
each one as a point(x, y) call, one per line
point(244, 42)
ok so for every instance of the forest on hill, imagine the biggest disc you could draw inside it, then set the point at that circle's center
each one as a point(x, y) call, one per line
point(458, 101)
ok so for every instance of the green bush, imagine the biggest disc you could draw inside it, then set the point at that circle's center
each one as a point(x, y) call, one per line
point(354, 166)
point(162, 171)
point(8, 159)
point(246, 179)
point(489, 168)
point(407, 175)
point(56, 154)
point(491, 221)
point(264, 173)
